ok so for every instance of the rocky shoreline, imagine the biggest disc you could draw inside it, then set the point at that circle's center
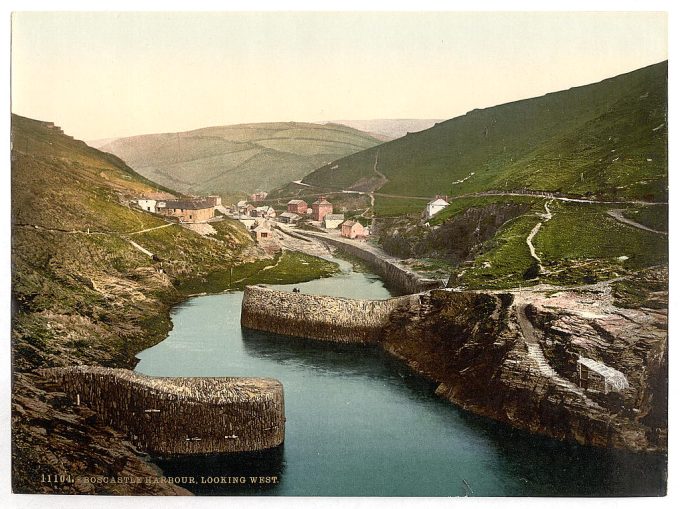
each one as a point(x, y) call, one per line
point(516, 357)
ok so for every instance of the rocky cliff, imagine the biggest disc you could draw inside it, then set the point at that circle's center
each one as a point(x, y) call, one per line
point(489, 357)
point(455, 240)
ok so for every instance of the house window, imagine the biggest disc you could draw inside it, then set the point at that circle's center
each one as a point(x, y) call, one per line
point(189, 216)
point(264, 235)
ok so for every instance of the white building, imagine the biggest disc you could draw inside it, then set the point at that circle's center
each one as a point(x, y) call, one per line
point(332, 221)
point(249, 222)
point(148, 205)
point(266, 211)
point(435, 207)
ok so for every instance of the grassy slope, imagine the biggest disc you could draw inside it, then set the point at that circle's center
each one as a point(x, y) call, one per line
point(580, 244)
point(595, 139)
point(61, 188)
point(242, 158)
point(606, 140)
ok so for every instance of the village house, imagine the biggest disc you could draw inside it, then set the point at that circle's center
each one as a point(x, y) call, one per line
point(250, 210)
point(320, 208)
point(262, 232)
point(259, 196)
point(149, 200)
point(187, 211)
point(249, 222)
point(353, 229)
point(264, 211)
point(148, 205)
point(435, 206)
point(215, 200)
point(241, 207)
point(289, 218)
point(332, 221)
point(298, 207)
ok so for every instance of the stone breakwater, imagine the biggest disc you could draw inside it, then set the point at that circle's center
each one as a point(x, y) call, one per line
point(388, 268)
point(317, 316)
point(181, 416)
point(508, 358)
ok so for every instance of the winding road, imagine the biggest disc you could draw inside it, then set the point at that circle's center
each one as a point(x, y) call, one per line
point(618, 215)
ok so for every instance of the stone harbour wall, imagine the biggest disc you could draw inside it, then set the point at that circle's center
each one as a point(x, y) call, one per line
point(317, 316)
point(181, 416)
point(401, 278)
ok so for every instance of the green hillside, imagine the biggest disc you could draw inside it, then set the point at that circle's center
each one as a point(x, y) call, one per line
point(230, 160)
point(606, 140)
point(603, 142)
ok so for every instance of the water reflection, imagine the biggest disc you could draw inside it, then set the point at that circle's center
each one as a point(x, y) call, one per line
point(537, 466)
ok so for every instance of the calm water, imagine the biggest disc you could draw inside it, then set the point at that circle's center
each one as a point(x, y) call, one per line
point(359, 423)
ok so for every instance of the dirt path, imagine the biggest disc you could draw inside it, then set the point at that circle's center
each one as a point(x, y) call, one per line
point(618, 215)
point(120, 235)
point(537, 194)
point(140, 248)
point(150, 229)
point(532, 250)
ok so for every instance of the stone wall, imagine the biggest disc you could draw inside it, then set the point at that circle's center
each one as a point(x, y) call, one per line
point(401, 278)
point(317, 316)
point(181, 416)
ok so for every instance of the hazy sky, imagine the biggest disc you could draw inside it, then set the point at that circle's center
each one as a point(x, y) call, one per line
point(102, 75)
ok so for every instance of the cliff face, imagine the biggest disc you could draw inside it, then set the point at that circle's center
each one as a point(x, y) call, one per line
point(514, 358)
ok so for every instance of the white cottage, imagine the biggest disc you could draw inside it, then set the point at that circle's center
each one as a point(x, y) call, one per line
point(332, 221)
point(435, 207)
point(148, 205)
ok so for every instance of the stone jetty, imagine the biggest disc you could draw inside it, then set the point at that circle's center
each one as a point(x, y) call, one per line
point(318, 316)
point(181, 416)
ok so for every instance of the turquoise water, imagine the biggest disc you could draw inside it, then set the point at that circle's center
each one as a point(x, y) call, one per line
point(361, 424)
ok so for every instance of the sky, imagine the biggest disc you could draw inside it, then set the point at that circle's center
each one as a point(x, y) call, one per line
point(101, 75)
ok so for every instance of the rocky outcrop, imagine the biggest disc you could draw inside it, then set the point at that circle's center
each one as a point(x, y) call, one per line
point(454, 240)
point(179, 416)
point(495, 355)
point(512, 357)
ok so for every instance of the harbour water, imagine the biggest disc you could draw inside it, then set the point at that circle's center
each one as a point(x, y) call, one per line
point(362, 424)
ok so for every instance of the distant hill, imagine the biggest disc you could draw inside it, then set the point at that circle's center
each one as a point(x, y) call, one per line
point(390, 128)
point(607, 139)
point(236, 159)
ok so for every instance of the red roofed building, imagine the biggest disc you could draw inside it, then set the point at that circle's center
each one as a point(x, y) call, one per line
point(320, 208)
point(297, 207)
point(352, 229)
